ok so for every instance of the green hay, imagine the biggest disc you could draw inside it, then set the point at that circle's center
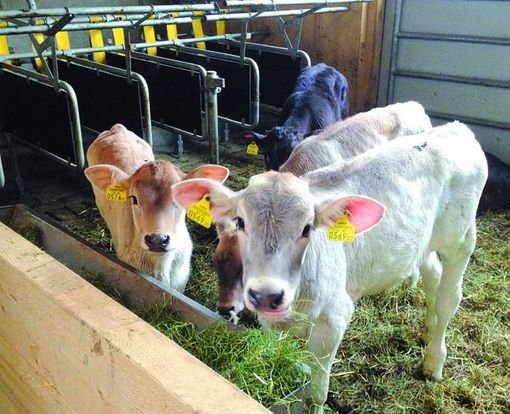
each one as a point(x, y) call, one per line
point(30, 232)
point(265, 365)
point(99, 281)
point(92, 228)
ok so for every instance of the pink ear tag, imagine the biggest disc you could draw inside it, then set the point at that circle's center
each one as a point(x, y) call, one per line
point(342, 230)
point(200, 212)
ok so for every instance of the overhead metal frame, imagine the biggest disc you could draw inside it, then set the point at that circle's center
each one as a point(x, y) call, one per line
point(133, 16)
point(50, 21)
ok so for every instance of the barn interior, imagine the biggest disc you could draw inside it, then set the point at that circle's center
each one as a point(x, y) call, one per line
point(191, 78)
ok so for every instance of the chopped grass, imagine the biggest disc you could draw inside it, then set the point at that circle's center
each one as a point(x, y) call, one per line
point(30, 232)
point(92, 228)
point(265, 365)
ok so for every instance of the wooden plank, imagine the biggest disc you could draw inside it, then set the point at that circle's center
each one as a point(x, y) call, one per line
point(66, 347)
point(371, 28)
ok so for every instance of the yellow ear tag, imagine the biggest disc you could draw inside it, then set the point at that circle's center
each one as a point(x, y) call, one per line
point(200, 212)
point(116, 193)
point(253, 148)
point(343, 230)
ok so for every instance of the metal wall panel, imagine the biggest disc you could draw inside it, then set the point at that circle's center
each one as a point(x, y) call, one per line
point(460, 100)
point(460, 17)
point(452, 56)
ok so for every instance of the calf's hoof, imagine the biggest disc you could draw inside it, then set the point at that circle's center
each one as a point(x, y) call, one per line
point(316, 409)
point(429, 374)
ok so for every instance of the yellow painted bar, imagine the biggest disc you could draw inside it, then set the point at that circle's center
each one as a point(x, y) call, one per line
point(198, 31)
point(171, 29)
point(220, 27)
point(220, 24)
point(118, 33)
point(150, 36)
point(4, 44)
point(96, 40)
point(62, 39)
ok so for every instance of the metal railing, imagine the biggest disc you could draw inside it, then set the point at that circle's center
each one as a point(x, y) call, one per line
point(79, 153)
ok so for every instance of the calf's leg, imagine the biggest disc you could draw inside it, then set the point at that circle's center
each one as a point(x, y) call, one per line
point(430, 272)
point(448, 297)
point(325, 337)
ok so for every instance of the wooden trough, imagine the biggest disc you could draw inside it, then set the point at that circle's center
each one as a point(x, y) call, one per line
point(67, 347)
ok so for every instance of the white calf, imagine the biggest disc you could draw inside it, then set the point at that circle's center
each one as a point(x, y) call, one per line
point(347, 139)
point(342, 141)
point(418, 197)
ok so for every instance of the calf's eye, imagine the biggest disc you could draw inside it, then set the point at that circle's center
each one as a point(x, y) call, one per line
point(306, 230)
point(134, 199)
point(240, 223)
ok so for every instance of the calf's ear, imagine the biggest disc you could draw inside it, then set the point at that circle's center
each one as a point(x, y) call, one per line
point(364, 212)
point(211, 171)
point(193, 190)
point(103, 176)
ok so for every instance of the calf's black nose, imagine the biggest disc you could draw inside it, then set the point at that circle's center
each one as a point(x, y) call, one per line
point(275, 300)
point(266, 300)
point(157, 242)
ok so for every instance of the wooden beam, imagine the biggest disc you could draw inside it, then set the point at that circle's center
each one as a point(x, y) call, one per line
point(371, 29)
point(66, 347)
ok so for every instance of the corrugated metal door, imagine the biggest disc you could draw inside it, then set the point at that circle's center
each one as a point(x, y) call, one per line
point(453, 56)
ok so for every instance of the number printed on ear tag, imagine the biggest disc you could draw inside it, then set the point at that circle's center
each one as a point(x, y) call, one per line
point(116, 193)
point(200, 212)
point(253, 148)
point(343, 230)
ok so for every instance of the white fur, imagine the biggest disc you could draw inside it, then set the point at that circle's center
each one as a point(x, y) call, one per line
point(344, 140)
point(430, 185)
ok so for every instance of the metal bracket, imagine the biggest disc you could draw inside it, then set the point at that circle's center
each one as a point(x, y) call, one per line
point(242, 40)
point(128, 50)
point(297, 22)
point(213, 83)
point(59, 24)
point(147, 16)
point(245, 36)
point(49, 42)
point(292, 44)
point(127, 39)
